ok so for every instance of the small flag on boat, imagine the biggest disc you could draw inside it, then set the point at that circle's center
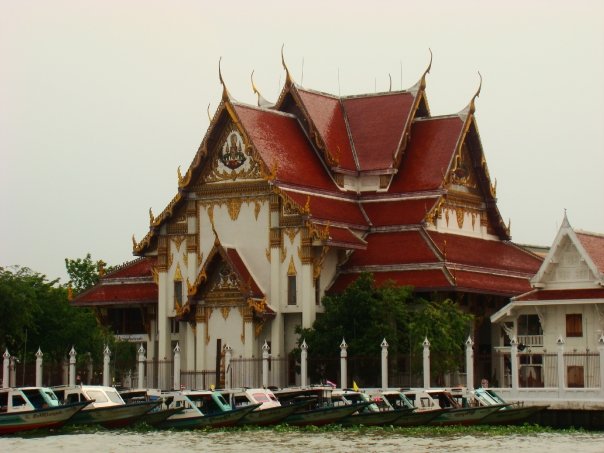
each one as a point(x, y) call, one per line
point(355, 387)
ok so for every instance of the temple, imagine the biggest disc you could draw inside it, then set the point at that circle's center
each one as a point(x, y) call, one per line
point(285, 202)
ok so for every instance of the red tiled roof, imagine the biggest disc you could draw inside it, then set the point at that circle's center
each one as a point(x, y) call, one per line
point(562, 294)
point(398, 212)
point(421, 280)
point(491, 284)
point(281, 142)
point(345, 237)
point(399, 247)
point(118, 294)
point(377, 124)
point(241, 269)
point(327, 115)
point(485, 253)
point(336, 210)
point(594, 246)
point(140, 267)
point(428, 154)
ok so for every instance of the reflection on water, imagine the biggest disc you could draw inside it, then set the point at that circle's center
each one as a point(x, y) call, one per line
point(300, 441)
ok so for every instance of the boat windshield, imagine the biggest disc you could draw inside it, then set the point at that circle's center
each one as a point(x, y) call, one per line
point(398, 400)
point(115, 397)
point(261, 397)
point(488, 396)
point(96, 395)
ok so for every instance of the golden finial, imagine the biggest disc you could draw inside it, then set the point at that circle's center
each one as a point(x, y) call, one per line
point(509, 225)
point(208, 110)
point(262, 102)
point(134, 243)
point(472, 106)
point(307, 205)
point(180, 178)
point(225, 93)
point(100, 266)
point(288, 78)
point(151, 217)
point(426, 72)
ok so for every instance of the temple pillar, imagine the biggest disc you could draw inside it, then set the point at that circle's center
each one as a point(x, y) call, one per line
point(164, 350)
point(201, 331)
point(309, 308)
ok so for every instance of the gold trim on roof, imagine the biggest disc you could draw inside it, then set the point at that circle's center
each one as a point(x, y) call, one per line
point(177, 273)
point(291, 269)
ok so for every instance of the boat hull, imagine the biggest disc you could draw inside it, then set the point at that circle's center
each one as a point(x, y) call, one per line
point(464, 416)
point(52, 417)
point(217, 420)
point(267, 417)
point(374, 418)
point(321, 416)
point(511, 415)
point(418, 418)
point(113, 416)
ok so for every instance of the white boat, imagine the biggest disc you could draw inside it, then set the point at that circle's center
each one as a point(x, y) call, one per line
point(455, 413)
point(269, 410)
point(106, 408)
point(508, 414)
point(369, 413)
point(28, 408)
point(201, 409)
point(394, 399)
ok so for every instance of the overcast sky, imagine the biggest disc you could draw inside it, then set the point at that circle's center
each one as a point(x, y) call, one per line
point(101, 101)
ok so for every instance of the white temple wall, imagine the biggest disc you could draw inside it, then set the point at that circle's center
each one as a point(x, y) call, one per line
point(291, 321)
point(229, 329)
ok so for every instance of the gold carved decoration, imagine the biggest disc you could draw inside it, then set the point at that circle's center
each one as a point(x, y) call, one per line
point(234, 159)
point(170, 258)
point(267, 252)
point(291, 269)
point(234, 206)
point(291, 232)
point(318, 262)
point(155, 275)
point(151, 217)
point(177, 274)
point(460, 217)
point(211, 215)
point(178, 240)
point(225, 312)
point(185, 259)
point(436, 212)
point(257, 207)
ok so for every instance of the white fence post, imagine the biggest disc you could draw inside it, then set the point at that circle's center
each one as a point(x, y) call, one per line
point(426, 363)
point(384, 346)
point(303, 364)
point(469, 363)
point(265, 356)
point(514, 364)
point(39, 369)
point(176, 384)
point(13, 371)
point(106, 373)
point(5, 368)
point(561, 384)
point(141, 367)
point(72, 366)
point(343, 364)
point(228, 353)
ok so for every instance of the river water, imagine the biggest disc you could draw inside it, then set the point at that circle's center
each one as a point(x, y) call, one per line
point(267, 440)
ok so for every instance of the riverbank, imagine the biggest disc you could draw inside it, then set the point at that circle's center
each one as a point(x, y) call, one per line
point(294, 440)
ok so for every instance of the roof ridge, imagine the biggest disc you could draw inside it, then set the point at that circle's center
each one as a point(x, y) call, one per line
point(589, 233)
point(377, 94)
point(263, 109)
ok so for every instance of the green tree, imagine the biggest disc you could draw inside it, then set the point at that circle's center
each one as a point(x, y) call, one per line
point(84, 273)
point(446, 327)
point(363, 315)
point(35, 312)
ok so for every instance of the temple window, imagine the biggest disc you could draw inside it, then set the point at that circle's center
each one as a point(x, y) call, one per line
point(291, 290)
point(574, 325)
point(178, 292)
